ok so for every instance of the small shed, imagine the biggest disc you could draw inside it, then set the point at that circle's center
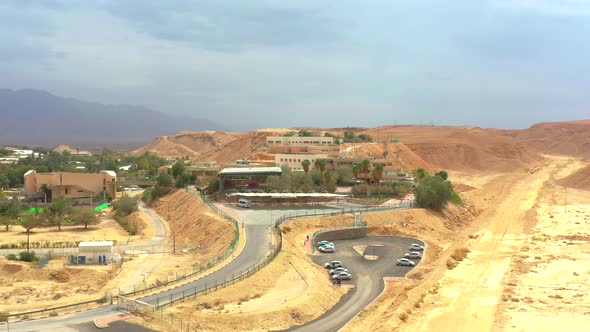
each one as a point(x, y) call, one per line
point(95, 252)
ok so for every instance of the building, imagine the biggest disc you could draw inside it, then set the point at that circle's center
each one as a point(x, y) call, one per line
point(299, 140)
point(203, 171)
point(76, 186)
point(293, 161)
point(94, 252)
point(245, 178)
point(330, 150)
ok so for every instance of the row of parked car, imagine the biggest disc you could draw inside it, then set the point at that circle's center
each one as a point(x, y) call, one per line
point(337, 271)
point(415, 253)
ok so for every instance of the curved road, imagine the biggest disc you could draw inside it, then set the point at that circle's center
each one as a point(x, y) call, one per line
point(257, 225)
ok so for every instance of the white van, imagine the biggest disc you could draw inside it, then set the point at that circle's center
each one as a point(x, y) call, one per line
point(243, 203)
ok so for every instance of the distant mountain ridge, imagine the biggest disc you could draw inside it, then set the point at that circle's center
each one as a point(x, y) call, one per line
point(36, 117)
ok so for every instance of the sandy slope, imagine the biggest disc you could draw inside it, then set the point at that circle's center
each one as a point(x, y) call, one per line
point(471, 293)
point(579, 180)
point(570, 138)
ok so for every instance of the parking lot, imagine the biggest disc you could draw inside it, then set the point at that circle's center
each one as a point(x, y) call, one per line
point(367, 275)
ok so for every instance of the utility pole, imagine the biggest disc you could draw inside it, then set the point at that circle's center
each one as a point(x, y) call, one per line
point(565, 203)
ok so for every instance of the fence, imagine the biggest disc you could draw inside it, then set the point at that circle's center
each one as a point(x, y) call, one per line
point(184, 324)
point(51, 311)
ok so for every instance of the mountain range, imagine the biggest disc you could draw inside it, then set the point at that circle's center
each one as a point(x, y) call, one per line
point(38, 117)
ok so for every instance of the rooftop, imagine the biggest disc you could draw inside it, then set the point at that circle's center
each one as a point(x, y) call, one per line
point(95, 243)
point(250, 170)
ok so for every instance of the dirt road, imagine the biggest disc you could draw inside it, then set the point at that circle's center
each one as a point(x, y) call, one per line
point(470, 294)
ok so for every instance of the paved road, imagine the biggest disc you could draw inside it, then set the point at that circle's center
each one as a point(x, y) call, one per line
point(367, 277)
point(155, 244)
point(258, 241)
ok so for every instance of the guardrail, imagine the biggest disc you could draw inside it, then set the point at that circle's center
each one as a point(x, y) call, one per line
point(51, 310)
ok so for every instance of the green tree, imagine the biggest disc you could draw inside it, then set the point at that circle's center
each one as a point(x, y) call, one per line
point(177, 169)
point(305, 165)
point(304, 133)
point(58, 209)
point(84, 216)
point(11, 213)
point(321, 165)
point(356, 170)
point(377, 173)
point(443, 175)
point(364, 165)
point(433, 193)
point(165, 180)
point(125, 205)
point(4, 181)
point(30, 221)
point(421, 174)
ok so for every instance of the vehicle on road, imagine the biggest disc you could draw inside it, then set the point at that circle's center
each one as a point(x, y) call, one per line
point(342, 276)
point(405, 262)
point(413, 255)
point(337, 270)
point(415, 246)
point(326, 249)
point(243, 203)
point(333, 265)
point(325, 243)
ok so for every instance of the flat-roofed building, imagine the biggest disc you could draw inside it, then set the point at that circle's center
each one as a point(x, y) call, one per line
point(75, 186)
point(299, 140)
point(246, 177)
point(330, 150)
point(293, 161)
point(94, 252)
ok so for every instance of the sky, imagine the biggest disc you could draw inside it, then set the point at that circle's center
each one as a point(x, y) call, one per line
point(278, 63)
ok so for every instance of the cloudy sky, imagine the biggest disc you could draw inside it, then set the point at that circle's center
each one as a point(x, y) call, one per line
point(246, 64)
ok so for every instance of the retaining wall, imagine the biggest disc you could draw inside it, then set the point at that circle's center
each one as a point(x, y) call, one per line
point(340, 234)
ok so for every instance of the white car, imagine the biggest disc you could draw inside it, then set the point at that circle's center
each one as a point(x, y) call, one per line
point(326, 249)
point(333, 264)
point(338, 270)
point(405, 262)
point(342, 276)
point(413, 255)
point(415, 246)
point(325, 243)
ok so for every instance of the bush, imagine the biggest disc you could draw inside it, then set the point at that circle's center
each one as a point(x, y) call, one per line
point(30, 256)
point(433, 193)
point(451, 264)
point(460, 253)
point(125, 205)
point(403, 317)
point(3, 316)
point(131, 229)
point(11, 257)
point(455, 198)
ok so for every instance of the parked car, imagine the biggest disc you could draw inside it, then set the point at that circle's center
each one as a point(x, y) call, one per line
point(413, 255)
point(326, 249)
point(337, 270)
point(325, 243)
point(415, 246)
point(333, 264)
point(243, 203)
point(405, 262)
point(342, 276)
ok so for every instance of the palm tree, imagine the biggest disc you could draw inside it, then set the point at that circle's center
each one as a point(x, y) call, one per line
point(364, 165)
point(378, 173)
point(305, 165)
point(328, 177)
point(356, 169)
point(321, 165)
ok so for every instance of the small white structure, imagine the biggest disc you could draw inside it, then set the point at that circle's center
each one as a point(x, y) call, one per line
point(95, 252)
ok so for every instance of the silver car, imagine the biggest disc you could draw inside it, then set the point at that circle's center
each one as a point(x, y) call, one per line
point(342, 276)
point(337, 270)
point(405, 262)
point(415, 246)
point(326, 249)
point(333, 264)
point(413, 255)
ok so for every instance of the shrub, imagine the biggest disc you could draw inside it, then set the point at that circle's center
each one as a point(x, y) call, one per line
point(3, 316)
point(125, 205)
point(53, 313)
point(433, 193)
point(30, 256)
point(403, 317)
point(130, 228)
point(455, 198)
point(460, 253)
point(11, 257)
point(451, 264)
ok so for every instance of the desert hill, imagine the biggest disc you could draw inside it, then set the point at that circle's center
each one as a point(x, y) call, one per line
point(208, 145)
point(570, 138)
point(398, 153)
point(461, 148)
point(578, 180)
